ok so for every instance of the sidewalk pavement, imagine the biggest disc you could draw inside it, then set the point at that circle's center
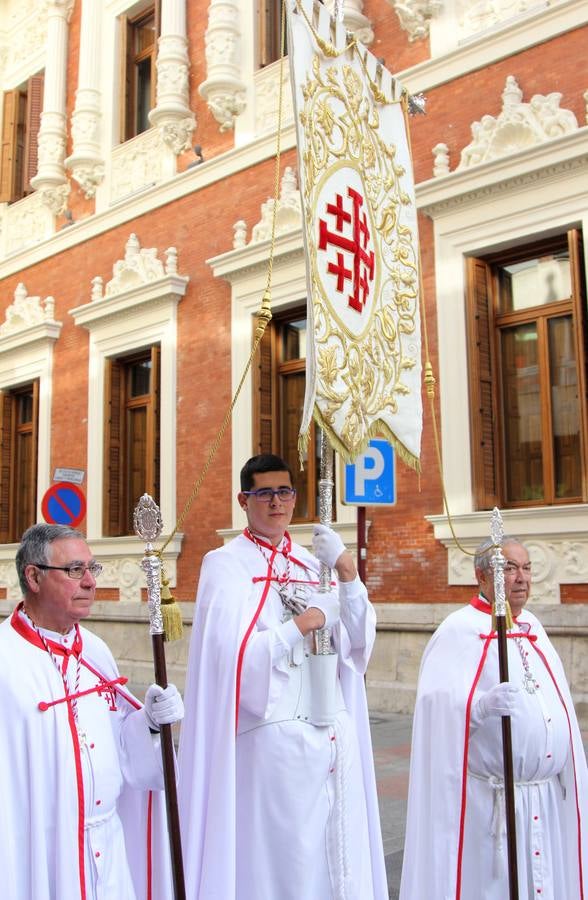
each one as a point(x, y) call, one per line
point(391, 742)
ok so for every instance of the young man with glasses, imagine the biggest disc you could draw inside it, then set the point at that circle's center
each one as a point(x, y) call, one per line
point(277, 787)
point(80, 756)
point(456, 831)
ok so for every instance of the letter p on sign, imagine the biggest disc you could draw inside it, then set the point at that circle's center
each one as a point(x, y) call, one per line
point(371, 478)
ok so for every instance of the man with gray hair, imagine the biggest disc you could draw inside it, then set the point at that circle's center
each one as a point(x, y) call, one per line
point(456, 831)
point(80, 756)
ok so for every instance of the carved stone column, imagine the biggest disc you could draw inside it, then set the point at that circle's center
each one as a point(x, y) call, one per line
point(172, 114)
point(223, 90)
point(50, 179)
point(86, 161)
point(354, 19)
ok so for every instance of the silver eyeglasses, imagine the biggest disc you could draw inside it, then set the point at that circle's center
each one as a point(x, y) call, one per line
point(266, 495)
point(76, 570)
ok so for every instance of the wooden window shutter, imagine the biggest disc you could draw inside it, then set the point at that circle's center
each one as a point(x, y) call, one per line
point(483, 419)
point(126, 79)
point(9, 151)
point(34, 451)
point(153, 453)
point(33, 124)
point(581, 335)
point(263, 393)
point(6, 433)
point(113, 438)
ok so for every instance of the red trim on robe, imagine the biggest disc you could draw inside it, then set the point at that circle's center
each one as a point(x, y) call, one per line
point(150, 846)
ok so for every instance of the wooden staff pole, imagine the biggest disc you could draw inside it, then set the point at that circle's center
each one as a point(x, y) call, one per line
point(148, 525)
point(498, 562)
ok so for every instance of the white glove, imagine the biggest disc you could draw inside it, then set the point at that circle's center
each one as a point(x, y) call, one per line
point(498, 701)
point(163, 706)
point(328, 603)
point(327, 546)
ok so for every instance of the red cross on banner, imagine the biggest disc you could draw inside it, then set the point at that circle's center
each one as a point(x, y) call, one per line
point(356, 246)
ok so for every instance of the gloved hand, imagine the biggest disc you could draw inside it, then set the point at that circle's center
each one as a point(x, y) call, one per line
point(498, 701)
point(327, 545)
point(328, 603)
point(163, 706)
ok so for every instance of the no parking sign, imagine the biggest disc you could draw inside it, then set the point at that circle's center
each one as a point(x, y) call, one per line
point(64, 503)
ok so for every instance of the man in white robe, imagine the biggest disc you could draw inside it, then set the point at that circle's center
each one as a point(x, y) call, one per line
point(456, 844)
point(79, 755)
point(273, 804)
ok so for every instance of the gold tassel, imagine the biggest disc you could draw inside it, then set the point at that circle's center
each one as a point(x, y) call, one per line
point(508, 618)
point(170, 612)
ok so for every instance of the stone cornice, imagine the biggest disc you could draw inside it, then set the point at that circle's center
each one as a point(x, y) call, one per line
point(253, 257)
point(550, 160)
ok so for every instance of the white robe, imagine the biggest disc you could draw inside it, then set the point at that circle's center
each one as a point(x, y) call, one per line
point(78, 820)
point(455, 843)
point(285, 810)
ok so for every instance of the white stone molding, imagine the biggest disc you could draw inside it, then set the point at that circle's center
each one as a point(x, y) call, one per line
point(441, 160)
point(27, 339)
point(476, 16)
point(519, 125)
point(25, 312)
point(223, 89)
point(354, 19)
point(555, 560)
point(24, 223)
point(86, 162)
point(137, 308)
point(51, 180)
point(23, 53)
point(245, 269)
point(288, 212)
point(141, 163)
point(513, 199)
point(172, 114)
point(415, 16)
point(267, 93)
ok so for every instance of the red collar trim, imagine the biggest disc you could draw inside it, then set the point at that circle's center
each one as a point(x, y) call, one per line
point(22, 627)
point(285, 551)
point(482, 605)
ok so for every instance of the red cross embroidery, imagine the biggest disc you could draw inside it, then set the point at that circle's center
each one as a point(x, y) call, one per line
point(363, 262)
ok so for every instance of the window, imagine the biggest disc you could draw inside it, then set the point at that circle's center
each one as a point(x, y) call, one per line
point(270, 30)
point(527, 334)
point(19, 417)
point(21, 120)
point(131, 437)
point(279, 399)
point(139, 47)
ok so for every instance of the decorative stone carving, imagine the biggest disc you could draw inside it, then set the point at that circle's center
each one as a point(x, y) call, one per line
point(172, 114)
point(475, 16)
point(24, 223)
point(267, 88)
point(86, 162)
point(415, 15)
point(27, 311)
point(441, 156)
point(288, 212)
point(139, 164)
point(26, 32)
point(139, 266)
point(224, 89)
point(354, 19)
point(240, 234)
point(50, 178)
point(519, 125)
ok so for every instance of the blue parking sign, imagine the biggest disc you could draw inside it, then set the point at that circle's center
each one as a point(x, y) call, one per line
point(370, 480)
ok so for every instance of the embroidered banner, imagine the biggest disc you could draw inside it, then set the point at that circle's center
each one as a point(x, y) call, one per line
point(363, 368)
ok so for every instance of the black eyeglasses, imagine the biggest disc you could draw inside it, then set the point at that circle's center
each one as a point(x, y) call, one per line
point(266, 495)
point(76, 570)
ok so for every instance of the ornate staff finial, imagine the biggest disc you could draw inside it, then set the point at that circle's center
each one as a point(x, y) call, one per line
point(501, 607)
point(148, 526)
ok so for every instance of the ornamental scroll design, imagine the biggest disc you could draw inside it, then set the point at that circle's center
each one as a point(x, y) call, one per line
point(362, 375)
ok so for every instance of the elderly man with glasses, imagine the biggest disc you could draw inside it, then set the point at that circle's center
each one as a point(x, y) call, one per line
point(80, 756)
point(456, 844)
point(277, 788)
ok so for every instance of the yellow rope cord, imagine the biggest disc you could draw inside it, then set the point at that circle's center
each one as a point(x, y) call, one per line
point(263, 316)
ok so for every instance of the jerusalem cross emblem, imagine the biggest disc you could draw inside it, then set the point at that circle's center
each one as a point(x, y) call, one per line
point(347, 230)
